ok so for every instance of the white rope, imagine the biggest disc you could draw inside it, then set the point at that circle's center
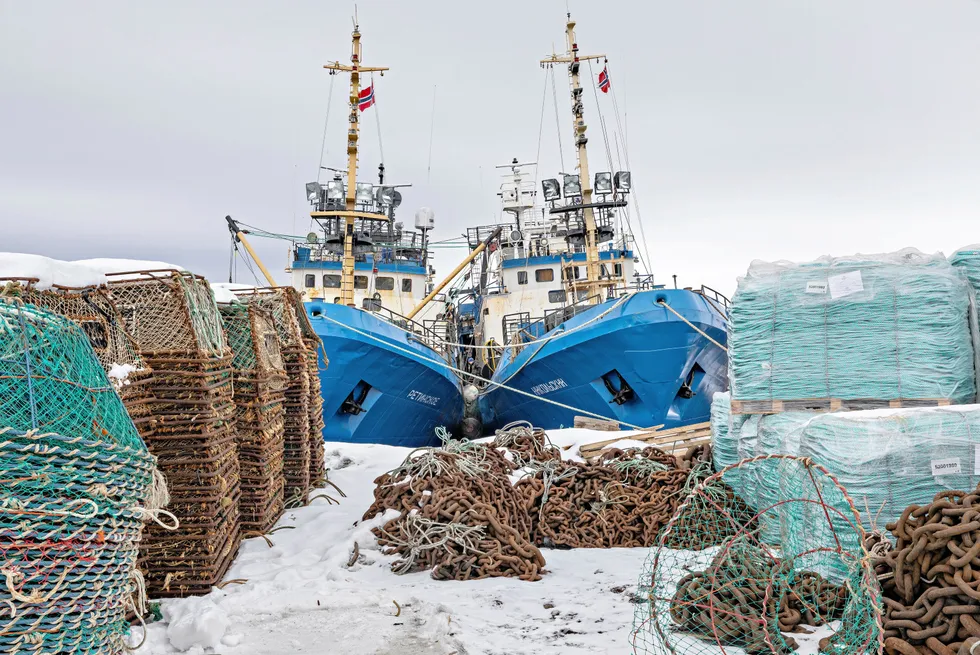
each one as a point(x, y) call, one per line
point(491, 383)
point(693, 326)
point(326, 121)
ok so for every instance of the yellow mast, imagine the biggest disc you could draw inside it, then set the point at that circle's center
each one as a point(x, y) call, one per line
point(355, 69)
point(593, 285)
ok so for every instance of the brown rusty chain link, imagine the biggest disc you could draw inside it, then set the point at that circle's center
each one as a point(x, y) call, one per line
point(462, 518)
point(931, 579)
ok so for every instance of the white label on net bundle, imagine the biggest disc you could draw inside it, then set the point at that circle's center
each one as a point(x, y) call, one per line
point(845, 284)
point(949, 466)
point(816, 286)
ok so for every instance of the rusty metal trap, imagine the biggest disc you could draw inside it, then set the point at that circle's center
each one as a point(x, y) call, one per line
point(714, 585)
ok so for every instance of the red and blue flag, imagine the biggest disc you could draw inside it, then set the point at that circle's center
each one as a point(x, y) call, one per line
point(365, 98)
point(604, 80)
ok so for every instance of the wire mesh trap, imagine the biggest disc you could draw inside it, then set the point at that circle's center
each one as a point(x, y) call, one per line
point(714, 585)
point(260, 380)
point(177, 327)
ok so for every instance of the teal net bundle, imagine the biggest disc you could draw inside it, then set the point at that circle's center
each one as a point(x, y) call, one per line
point(777, 435)
point(77, 483)
point(890, 459)
point(877, 327)
point(50, 379)
point(734, 593)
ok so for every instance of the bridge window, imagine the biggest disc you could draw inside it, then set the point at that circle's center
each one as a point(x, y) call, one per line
point(331, 281)
point(407, 285)
point(619, 270)
point(522, 277)
point(384, 283)
point(360, 281)
point(544, 275)
point(310, 281)
point(556, 296)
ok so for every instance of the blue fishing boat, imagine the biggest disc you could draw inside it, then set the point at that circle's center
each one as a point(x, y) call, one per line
point(388, 380)
point(558, 322)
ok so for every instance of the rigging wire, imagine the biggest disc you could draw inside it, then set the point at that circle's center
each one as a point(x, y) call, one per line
point(432, 128)
point(636, 202)
point(554, 94)
point(377, 120)
point(326, 121)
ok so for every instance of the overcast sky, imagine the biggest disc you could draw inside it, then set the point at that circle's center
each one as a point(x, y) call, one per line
point(772, 129)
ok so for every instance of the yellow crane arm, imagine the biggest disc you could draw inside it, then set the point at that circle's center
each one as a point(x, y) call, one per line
point(240, 237)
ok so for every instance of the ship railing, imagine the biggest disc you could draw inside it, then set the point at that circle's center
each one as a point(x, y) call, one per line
point(514, 325)
point(416, 330)
point(477, 235)
point(716, 299)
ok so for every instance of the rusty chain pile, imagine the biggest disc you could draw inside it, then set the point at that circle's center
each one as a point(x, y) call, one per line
point(747, 598)
point(459, 516)
point(712, 583)
point(621, 500)
point(931, 578)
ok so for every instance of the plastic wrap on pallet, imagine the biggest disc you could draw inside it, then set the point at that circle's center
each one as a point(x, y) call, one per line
point(777, 435)
point(890, 459)
point(886, 326)
point(724, 430)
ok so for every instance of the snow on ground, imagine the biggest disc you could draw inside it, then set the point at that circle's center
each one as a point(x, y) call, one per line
point(81, 273)
point(300, 597)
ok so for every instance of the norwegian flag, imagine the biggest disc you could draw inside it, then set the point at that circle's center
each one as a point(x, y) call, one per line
point(604, 79)
point(365, 98)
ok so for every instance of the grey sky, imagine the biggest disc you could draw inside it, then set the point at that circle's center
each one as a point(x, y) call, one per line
point(757, 128)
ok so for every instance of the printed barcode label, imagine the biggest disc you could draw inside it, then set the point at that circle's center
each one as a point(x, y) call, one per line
point(949, 466)
point(814, 286)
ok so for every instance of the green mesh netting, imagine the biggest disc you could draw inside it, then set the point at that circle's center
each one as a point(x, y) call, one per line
point(74, 476)
point(51, 380)
point(730, 592)
point(891, 326)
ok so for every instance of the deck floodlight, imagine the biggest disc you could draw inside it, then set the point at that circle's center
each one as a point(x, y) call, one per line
point(312, 191)
point(335, 190)
point(571, 186)
point(364, 193)
point(551, 189)
point(603, 183)
point(623, 181)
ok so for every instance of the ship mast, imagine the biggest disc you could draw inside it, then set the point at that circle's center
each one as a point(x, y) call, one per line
point(350, 212)
point(593, 285)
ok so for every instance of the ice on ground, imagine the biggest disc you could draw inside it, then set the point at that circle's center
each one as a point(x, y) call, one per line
point(82, 273)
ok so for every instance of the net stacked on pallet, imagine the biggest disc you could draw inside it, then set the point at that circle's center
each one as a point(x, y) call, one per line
point(75, 485)
point(890, 459)
point(724, 430)
point(99, 319)
point(303, 455)
point(260, 380)
point(880, 327)
point(175, 322)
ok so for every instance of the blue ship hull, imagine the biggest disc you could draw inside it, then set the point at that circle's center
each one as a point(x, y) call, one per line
point(372, 391)
point(629, 366)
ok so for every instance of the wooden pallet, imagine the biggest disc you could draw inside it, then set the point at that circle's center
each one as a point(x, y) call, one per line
point(674, 439)
point(830, 404)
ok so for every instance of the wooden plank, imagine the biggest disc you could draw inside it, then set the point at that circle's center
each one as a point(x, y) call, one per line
point(831, 404)
point(655, 438)
point(595, 424)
